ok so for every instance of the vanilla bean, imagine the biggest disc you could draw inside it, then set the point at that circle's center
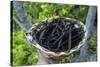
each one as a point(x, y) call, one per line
point(59, 44)
point(80, 33)
point(53, 31)
point(59, 34)
point(69, 39)
point(58, 38)
point(41, 35)
point(58, 27)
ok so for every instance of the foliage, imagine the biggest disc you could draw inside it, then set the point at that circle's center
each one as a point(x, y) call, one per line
point(93, 44)
point(40, 11)
point(22, 52)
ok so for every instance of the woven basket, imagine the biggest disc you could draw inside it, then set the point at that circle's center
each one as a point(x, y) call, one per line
point(43, 25)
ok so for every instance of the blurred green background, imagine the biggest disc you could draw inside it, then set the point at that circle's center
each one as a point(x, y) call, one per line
point(24, 54)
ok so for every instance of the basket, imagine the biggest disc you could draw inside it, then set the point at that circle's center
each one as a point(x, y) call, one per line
point(58, 36)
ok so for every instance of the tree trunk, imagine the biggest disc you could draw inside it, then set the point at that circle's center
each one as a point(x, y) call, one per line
point(90, 20)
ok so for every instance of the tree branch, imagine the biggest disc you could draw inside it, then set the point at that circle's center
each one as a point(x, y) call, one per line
point(90, 20)
point(22, 16)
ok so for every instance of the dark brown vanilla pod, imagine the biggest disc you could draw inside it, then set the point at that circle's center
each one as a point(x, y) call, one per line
point(59, 34)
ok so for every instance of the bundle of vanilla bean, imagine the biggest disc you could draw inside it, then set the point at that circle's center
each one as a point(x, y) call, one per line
point(59, 34)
